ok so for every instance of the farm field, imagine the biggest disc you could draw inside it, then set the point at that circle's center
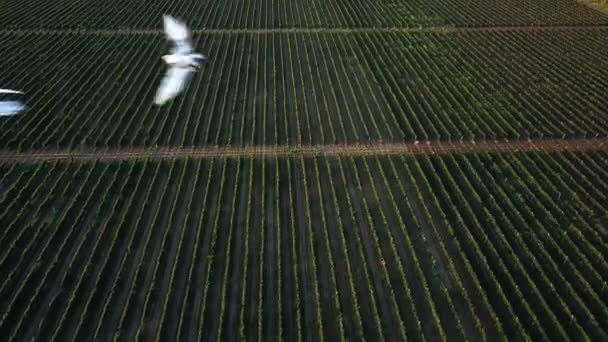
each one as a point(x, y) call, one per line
point(338, 171)
point(471, 246)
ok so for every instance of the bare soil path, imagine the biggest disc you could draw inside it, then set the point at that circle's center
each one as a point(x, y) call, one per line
point(273, 151)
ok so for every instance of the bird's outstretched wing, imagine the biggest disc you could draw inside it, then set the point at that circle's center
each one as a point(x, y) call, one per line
point(8, 91)
point(178, 33)
point(175, 29)
point(172, 84)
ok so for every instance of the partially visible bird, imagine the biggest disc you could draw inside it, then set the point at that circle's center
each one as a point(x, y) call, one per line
point(8, 105)
point(181, 62)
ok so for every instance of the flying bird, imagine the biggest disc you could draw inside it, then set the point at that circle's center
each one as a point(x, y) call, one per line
point(8, 105)
point(181, 62)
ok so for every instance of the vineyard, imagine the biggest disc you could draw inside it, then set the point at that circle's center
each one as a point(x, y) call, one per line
point(309, 88)
point(338, 171)
point(475, 246)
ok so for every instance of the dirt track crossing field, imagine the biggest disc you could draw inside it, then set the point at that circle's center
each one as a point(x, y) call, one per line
point(267, 151)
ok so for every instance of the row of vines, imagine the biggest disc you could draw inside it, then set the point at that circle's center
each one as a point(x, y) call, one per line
point(308, 88)
point(476, 246)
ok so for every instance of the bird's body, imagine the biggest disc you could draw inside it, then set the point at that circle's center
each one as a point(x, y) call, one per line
point(181, 62)
point(184, 61)
point(8, 105)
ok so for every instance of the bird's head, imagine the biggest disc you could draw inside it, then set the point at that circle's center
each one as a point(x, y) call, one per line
point(169, 59)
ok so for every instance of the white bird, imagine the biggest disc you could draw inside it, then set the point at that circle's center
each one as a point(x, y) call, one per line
point(10, 107)
point(181, 62)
